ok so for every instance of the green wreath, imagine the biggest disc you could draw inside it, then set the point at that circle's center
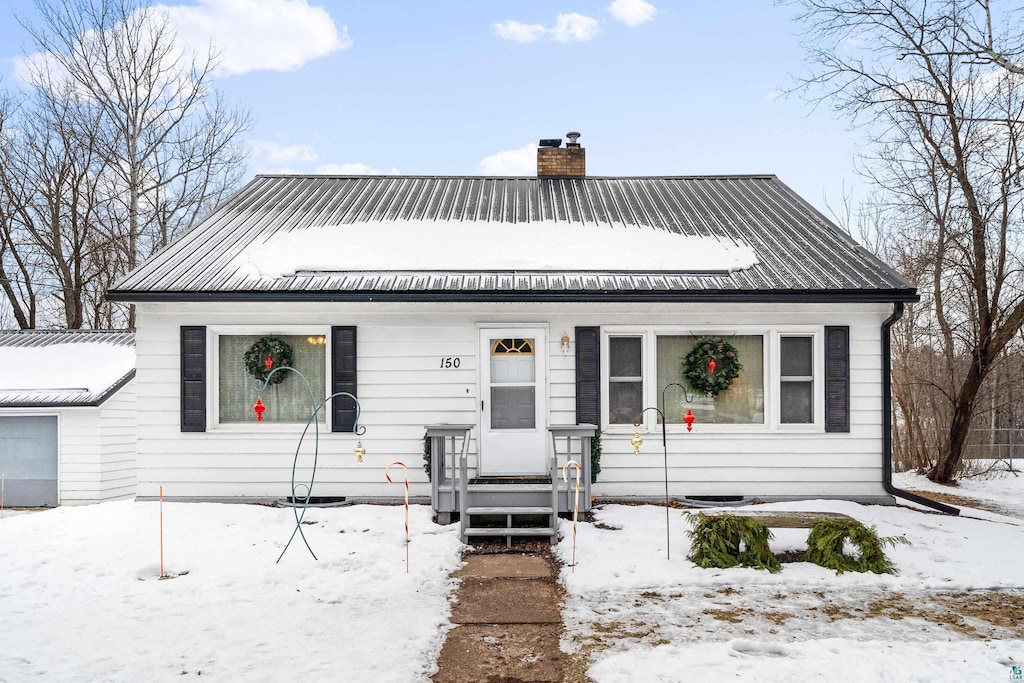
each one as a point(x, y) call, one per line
point(697, 370)
point(256, 358)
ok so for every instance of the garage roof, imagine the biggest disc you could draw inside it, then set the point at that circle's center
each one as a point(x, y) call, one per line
point(64, 368)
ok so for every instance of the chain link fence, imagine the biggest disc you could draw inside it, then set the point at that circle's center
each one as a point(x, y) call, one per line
point(1002, 446)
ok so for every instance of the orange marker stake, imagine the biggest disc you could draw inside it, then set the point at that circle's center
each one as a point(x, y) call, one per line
point(387, 476)
point(161, 532)
point(575, 505)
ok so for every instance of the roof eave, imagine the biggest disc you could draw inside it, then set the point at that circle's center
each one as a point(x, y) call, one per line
point(908, 295)
point(94, 403)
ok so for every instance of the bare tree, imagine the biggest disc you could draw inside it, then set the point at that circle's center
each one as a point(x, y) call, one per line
point(168, 143)
point(946, 124)
point(989, 48)
point(54, 158)
point(17, 273)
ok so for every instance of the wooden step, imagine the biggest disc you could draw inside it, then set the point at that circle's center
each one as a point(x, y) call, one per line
point(509, 510)
point(510, 531)
point(509, 487)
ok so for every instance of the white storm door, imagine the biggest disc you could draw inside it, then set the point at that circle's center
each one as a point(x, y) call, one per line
point(513, 407)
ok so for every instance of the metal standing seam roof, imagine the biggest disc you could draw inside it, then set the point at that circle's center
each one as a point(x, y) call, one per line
point(801, 255)
point(69, 397)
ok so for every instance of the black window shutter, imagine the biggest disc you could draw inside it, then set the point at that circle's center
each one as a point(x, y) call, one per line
point(343, 376)
point(588, 375)
point(837, 379)
point(193, 379)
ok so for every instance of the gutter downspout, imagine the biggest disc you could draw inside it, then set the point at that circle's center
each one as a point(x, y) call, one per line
point(897, 313)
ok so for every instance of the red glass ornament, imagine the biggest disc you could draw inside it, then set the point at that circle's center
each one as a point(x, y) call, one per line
point(258, 409)
point(269, 362)
point(712, 365)
point(689, 419)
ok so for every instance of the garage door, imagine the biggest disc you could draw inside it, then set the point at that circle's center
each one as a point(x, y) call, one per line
point(28, 460)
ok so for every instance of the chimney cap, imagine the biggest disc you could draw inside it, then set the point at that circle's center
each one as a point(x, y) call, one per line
point(551, 142)
point(573, 136)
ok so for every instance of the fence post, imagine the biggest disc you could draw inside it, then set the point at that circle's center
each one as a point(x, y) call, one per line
point(1012, 432)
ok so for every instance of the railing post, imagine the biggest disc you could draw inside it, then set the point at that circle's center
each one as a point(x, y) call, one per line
point(463, 484)
point(452, 461)
point(553, 473)
point(585, 442)
point(448, 489)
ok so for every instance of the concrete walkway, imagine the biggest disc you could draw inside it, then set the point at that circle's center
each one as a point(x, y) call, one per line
point(508, 623)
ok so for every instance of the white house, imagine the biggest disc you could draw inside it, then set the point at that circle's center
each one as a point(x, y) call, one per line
point(503, 308)
point(67, 417)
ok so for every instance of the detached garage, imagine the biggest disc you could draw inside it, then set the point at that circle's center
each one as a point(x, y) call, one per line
point(67, 417)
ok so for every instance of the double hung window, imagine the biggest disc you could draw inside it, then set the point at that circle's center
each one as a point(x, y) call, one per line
point(796, 379)
point(625, 379)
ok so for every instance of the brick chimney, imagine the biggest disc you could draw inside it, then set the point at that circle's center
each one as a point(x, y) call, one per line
point(555, 161)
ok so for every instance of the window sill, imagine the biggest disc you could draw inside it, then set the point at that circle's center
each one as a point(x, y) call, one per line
point(265, 428)
point(716, 429)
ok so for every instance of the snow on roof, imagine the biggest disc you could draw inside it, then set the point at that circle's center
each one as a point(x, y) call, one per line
point(508, 239)
point(474, 246)
point(67, 368)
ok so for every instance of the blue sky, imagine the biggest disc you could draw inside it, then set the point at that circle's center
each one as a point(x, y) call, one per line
point(451, 88)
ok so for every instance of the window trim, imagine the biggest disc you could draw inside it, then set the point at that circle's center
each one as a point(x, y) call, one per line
point(797, 379)
point(772, 364)
point(817, 335)
point(607, 332)
point(214, 332)
point(606, 360)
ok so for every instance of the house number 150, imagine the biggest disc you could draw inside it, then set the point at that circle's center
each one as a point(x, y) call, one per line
point(450, 362)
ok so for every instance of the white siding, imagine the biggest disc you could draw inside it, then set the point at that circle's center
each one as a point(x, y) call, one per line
point(117, 444)
point(402, 388)
point(79, 462)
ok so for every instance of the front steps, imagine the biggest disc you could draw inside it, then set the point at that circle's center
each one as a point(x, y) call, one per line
point(510, 507)
point(502, 521)
point(503, 506)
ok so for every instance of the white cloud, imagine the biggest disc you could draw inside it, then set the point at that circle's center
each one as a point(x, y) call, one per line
point(520, 33)
point(248, 35)
point(35, 67)
point(274, 157)
point(353, 168)
point(568, 28)
point(632, 12)
point(521, 161)
point(574, 27)
point(258, 35)
point(274, 153)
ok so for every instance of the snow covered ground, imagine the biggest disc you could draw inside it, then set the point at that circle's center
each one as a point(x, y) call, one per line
point(80, 598)
point(999, 488)
point(955, 612)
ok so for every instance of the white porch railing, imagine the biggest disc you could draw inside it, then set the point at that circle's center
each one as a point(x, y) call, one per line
point(570, 442)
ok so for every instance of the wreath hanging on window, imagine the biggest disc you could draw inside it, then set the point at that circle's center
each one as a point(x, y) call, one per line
point(711, 365)
point(277, 349)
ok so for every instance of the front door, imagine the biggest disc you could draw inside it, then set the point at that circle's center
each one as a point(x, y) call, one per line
point(513, 412)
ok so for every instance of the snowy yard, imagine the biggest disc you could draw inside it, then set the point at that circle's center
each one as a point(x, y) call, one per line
point(954, 613)
point(80, 598)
